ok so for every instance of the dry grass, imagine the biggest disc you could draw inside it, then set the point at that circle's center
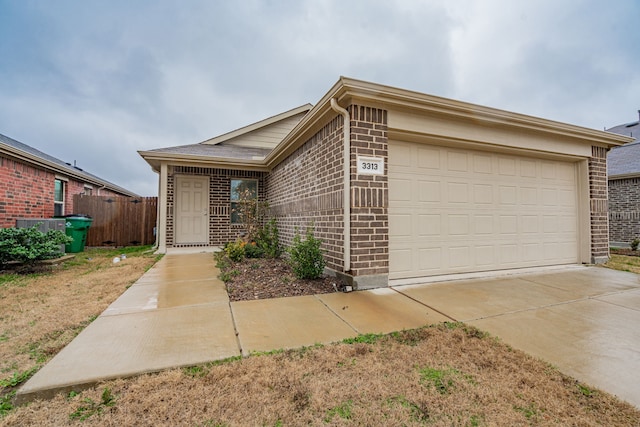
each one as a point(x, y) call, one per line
point(444, 375)
point(447, 374)
point(41, 313)
point(624, 263)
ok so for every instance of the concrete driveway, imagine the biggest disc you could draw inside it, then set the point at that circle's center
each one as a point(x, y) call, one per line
point(584, 320)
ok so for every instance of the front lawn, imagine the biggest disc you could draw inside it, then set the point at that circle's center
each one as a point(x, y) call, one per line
point(440, 375)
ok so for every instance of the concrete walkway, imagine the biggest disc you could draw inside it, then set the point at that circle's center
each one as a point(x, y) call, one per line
point(583, 320)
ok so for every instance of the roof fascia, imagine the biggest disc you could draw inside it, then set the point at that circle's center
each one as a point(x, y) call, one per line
point(624, 176)
point(39, 161)
point(254, 126)
point(156, 159)
point(387, 96)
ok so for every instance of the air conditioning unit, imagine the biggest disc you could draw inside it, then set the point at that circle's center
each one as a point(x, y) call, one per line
point(44, 225)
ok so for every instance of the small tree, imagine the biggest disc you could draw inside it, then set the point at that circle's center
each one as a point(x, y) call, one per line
point(251, 213)
point(306, 257)
point(28, 245)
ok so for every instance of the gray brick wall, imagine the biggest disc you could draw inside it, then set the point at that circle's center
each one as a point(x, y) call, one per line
point(624, 209)
point(598, 204)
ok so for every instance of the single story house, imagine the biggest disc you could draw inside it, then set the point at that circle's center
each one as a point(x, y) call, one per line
point(399, 185)
point(36, 185)
point(624, 186)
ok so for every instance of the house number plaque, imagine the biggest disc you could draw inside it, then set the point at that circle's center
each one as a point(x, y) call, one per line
point(370, 165)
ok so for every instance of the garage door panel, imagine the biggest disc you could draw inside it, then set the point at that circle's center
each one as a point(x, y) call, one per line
point(400, 190)
point(458, 192)
point(401, 225)
point(484, 256)
point(459, 256)
point(401, 259)
point(482, 164)
point(429, 259)
point(506, 166)
point(429, 191)
point(429, 158)
point(463, 211)
point(457, 161)
point(483, 224)
point(429, 225)
point(458, 225)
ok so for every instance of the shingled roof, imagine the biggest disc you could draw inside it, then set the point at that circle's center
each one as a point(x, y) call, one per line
point(624, 161)
point(34, 156)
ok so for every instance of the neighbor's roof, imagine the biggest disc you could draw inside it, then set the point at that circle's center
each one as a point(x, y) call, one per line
point(624, 161)
point(33, 156)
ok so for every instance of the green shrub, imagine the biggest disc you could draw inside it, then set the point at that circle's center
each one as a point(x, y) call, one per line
point(634, 244)
point(306, 257)
point(252, 250)
point(235, 250)
point(27, 245)
point(268, 239)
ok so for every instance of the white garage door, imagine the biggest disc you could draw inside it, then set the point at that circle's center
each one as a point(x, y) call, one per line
point(459, 211)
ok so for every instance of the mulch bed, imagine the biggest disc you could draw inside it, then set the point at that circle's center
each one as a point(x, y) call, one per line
point(261, 278)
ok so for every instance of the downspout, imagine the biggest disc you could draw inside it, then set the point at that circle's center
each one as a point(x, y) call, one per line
point(347, 183)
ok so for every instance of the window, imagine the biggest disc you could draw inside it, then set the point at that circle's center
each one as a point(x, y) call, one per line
point(88, 190)
point(240, 187)
point(58, 198)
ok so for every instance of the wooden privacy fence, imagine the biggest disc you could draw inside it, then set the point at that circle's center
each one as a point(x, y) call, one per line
point(118, 221)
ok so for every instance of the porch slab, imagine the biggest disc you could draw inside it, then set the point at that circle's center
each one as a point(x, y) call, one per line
point(284, 323)
point(380, 311)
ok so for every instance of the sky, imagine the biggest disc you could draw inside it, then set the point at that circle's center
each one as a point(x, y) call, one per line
point(95, 81)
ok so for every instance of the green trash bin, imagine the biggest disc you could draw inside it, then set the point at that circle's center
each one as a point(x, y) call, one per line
point(76, 228)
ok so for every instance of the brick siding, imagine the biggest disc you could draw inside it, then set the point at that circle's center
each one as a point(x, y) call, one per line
point(220, 228)
point(598, 204)
point(27, 191)
point(624, 210)
point(307, 189)
point(369, 194)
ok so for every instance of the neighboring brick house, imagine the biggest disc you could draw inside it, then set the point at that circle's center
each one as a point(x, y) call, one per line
point(399, 185)
point(624, 186)
point(36, 185)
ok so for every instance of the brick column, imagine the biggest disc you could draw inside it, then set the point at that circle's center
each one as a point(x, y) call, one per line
point(598, 205)
point(369, 199)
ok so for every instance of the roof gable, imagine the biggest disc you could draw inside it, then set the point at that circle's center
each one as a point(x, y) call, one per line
point(266, 133)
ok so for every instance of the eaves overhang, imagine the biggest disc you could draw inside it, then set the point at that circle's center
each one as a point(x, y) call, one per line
point(624, 176)
point(67, 172)
point(155, 160)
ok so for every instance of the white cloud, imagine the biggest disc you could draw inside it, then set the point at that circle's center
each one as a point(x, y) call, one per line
point(96, 81)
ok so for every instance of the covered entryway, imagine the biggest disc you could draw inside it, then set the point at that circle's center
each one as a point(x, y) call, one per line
point(192, 210)
point(456, 210)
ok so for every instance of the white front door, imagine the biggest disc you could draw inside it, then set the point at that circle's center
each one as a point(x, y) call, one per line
point(192, 210)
